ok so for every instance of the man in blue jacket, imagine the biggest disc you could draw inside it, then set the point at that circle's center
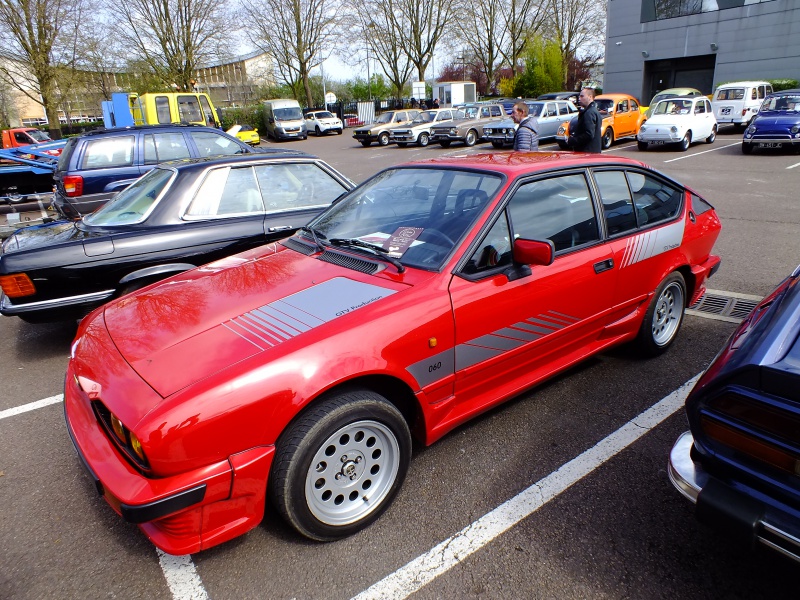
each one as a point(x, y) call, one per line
point(587, 136)
point(526, 139)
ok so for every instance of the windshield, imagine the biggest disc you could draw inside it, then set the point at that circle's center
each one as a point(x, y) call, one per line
point(781, 104)
point(604, 105)
point(427, 116)
point(39, 136)
point(133, 203)
point(323, 115)
point(673, 107)
point(293, 113)
point(430, 209)
point(385, 117)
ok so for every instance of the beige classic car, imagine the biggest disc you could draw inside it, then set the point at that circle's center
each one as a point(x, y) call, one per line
point(379, 130)
point(469, 129)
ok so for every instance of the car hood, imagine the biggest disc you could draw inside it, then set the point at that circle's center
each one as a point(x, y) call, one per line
point(503, 123)
point(191, 326)
point(776, 119)
point(49, 234)
point(668, 120)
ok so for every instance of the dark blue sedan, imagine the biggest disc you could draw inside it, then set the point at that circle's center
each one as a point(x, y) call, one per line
point(777, 124)
point(740, 463)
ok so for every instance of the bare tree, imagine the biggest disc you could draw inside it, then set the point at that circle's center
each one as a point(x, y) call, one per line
point(576, 25)
point(522, 20)
point(298, 34)
point(482, 28)
point(34, 45)
point(420, 27)
point(174, 37)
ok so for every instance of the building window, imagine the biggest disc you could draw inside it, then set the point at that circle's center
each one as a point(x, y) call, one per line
point(656, 10)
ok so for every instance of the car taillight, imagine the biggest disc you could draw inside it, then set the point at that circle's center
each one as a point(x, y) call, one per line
point(73, 185)
point(17, 286)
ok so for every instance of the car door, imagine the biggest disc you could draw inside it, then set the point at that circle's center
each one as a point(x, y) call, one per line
point(644, 227)
point(516, 323)
point(549, 122)
point(622, 120)
point(703, 121)
point(162, 146)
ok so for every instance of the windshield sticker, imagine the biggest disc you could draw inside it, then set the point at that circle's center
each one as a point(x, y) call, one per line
point(397, 243)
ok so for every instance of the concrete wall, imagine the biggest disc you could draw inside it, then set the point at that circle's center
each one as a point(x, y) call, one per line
point(759, 41)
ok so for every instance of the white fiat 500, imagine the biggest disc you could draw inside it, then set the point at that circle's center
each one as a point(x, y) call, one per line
point(679, 121)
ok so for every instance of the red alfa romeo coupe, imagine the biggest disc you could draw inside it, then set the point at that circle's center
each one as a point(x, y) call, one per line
point(299, 371)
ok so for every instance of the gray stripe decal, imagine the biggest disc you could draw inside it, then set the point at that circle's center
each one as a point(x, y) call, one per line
point(534, 328)
point(262, 317)
point(431, 370)
point(546, 323)
point(270, 312)
point(519, 334)
point(247, 322)
point(497, 342)
point(296, 313)
point(467, 355)
point(258, 341)
point(567, 318)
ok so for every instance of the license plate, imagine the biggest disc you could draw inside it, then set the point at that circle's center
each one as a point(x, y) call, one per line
point(657, 143)
point(769, 145)
point(725, 111)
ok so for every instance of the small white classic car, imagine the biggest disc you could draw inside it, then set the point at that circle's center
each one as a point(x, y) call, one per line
point(679, 121)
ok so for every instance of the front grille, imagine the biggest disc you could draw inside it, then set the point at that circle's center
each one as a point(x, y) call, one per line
point(350, 262)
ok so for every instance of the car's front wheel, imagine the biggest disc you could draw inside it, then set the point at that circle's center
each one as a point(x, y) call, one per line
point(686, 141)
point(710, 139)
point(472, 137)
point(383, 138)
point(747, 148)
point(340, 465)
point(641, 145)
point(318, 131)
point(423, 139)
point(664, 316)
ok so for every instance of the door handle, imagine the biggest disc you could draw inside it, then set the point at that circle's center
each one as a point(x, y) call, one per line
point(280, 228)
point(604, 265)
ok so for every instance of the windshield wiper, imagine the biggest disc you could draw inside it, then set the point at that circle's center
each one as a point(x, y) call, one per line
point(315, 235)
point(356, 243)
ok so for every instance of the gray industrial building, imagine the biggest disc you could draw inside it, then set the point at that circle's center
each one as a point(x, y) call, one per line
point(653, 45)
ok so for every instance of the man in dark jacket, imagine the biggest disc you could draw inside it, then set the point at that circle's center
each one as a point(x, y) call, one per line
point(526, 139)
point(587, 136)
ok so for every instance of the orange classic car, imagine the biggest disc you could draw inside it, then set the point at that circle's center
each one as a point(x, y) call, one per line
point(621, 118)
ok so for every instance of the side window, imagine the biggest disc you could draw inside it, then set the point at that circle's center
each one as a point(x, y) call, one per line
point(700, 107)
point(563, 109)
point(21, 138)
point(761, 93)
point(292, 186)
point(108, 152)
point(634, 106)
point(550, 111)
point(754, 94)
point(227, 191)
point(494, 250)
point(160, 147)
point(654, 200)
point(622, 106)
point(189, 109)
point(559, 209)
point(209, 143)
point(162, 110)
point(484, 112)
point(708, 106)
point(207, 111)
point(617, 202)
point(446, 114)
point(496, 111)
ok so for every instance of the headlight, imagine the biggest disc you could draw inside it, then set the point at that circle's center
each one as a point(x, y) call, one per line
point(674, 129)
point(561, 130)
point(751, 130)
point(453, 131)
point(795, 128)
point(642, 129)
point(128, 440)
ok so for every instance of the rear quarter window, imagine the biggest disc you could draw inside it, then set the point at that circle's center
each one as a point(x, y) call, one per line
point(654, 199)
point(210, 143)
point(108, 152)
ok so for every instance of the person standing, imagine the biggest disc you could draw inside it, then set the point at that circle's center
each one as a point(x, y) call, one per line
point(435, 103)
point(587, 136)
point(526, 139)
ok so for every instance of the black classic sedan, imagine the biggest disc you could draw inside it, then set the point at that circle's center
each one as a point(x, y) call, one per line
point(179, 215)
point(740, 463)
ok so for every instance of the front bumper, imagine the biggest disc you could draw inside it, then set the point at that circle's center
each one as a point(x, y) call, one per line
point(438, 136)
point(55, 309)
point(403, 137)
point(730, 509)
point(182, 513)
point(783, 141)
point(662, 137)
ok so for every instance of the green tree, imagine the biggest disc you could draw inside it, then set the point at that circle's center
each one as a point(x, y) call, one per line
point(544, 69)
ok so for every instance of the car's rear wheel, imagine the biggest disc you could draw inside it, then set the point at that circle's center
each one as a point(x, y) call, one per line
point(472, 137)
point(686, 141)
point(664, 316)
point(365, 143)
point(710, 139)
point(423, 139)
point(641, 145)
point(608, 138)
point(340, 465)
point(383, 138)
point(747, 148)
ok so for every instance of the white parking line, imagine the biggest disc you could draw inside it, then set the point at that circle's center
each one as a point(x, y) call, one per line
point(182, 577)
point(699, 153)
point(438, 560)
point(18, 410)
point(793, 166)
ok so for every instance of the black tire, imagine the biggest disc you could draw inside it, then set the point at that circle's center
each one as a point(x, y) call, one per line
point(383, 138)
point(710, 139)
point(498, 145)
point(424, 139)
point(471, 138)
point(664, 316)
point(642, 145)
point(685, 142)
point(608, 138)
point(339, 131)
point(444, 143)
point(365, 143)
point(747, 148)
point(369, 445)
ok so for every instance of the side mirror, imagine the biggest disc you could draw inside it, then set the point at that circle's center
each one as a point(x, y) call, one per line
point(533, 252)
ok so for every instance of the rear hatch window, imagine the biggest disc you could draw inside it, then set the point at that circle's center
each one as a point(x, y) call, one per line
point(66, 154)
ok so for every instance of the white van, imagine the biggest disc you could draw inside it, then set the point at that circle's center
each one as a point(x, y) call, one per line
point(283, 120)
point(738, 102)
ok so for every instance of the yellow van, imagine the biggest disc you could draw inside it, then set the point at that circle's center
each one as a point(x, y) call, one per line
point(159, 108)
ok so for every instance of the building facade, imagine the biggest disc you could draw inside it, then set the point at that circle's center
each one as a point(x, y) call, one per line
point(652, 45)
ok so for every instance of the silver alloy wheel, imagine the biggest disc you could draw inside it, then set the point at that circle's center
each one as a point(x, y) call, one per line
point(352, 472)
point(667, 314)
point(471, 138)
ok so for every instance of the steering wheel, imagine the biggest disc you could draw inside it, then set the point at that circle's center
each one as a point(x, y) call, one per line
point(436, 233)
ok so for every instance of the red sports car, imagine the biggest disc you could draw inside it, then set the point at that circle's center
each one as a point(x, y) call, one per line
point(300, 370)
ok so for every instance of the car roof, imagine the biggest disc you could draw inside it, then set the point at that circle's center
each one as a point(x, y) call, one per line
point(792, 92)
point(734, 84)
point(615, 97)
point(229, 159)
point(110, 130)
point(513, 164)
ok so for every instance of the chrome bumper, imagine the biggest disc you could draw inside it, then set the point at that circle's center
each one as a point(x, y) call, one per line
point(690, 479)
